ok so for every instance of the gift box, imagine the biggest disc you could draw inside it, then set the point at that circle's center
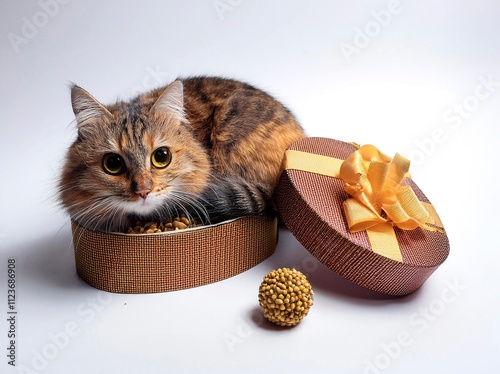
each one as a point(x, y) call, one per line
point(169, 261)
point(359, 213)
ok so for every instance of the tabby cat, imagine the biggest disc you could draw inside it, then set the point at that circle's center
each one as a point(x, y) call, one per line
point(206, 147)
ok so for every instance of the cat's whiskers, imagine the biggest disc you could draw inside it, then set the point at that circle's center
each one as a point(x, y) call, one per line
point(186, 201)
point(109, 213)
point(92, 214)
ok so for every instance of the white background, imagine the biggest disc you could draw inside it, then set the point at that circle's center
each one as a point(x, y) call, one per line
point(417, 77)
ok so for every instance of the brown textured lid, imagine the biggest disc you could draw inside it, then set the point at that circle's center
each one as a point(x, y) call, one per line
point(310, 205)
point(172, 261)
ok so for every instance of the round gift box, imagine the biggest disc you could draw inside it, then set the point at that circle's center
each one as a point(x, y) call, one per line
point(311, 206)
point(169, 261)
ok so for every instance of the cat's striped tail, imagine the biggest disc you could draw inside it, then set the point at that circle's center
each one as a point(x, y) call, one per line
point(228, 197)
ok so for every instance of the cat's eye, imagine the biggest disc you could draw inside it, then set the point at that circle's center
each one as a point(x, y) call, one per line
point(161, 158)
point(113, 164)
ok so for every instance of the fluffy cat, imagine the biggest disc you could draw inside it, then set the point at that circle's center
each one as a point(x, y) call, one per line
point(209, 148)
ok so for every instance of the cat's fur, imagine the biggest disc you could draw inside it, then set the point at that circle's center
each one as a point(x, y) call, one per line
point(226, 140)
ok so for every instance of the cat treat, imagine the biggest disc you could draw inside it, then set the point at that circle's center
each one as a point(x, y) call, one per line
point(285, 296)
point(179, 223)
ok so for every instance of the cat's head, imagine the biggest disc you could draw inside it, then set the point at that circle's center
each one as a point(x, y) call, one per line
point(131, 159)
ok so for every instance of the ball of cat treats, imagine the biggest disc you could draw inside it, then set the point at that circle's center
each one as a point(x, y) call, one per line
point(285, 296)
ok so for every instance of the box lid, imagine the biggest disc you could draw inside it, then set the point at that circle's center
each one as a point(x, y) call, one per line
point(312, 201)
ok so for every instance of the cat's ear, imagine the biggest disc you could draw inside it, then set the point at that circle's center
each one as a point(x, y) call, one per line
point(88, 111)
point(171, 102)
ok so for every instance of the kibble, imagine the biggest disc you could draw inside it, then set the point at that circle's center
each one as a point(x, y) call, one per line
point(285, 296)
point(178, 223)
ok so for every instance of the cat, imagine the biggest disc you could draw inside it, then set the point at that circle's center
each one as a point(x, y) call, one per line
point(209, 148)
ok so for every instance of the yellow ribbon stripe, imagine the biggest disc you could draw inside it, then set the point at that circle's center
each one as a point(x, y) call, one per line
point(312, 163)
point(384, 242)
point(379, 200)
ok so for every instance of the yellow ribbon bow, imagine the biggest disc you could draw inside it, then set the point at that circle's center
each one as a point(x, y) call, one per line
point(374, 181)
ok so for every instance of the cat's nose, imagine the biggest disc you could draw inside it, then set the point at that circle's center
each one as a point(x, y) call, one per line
point(143, 193)
point(141, 186)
